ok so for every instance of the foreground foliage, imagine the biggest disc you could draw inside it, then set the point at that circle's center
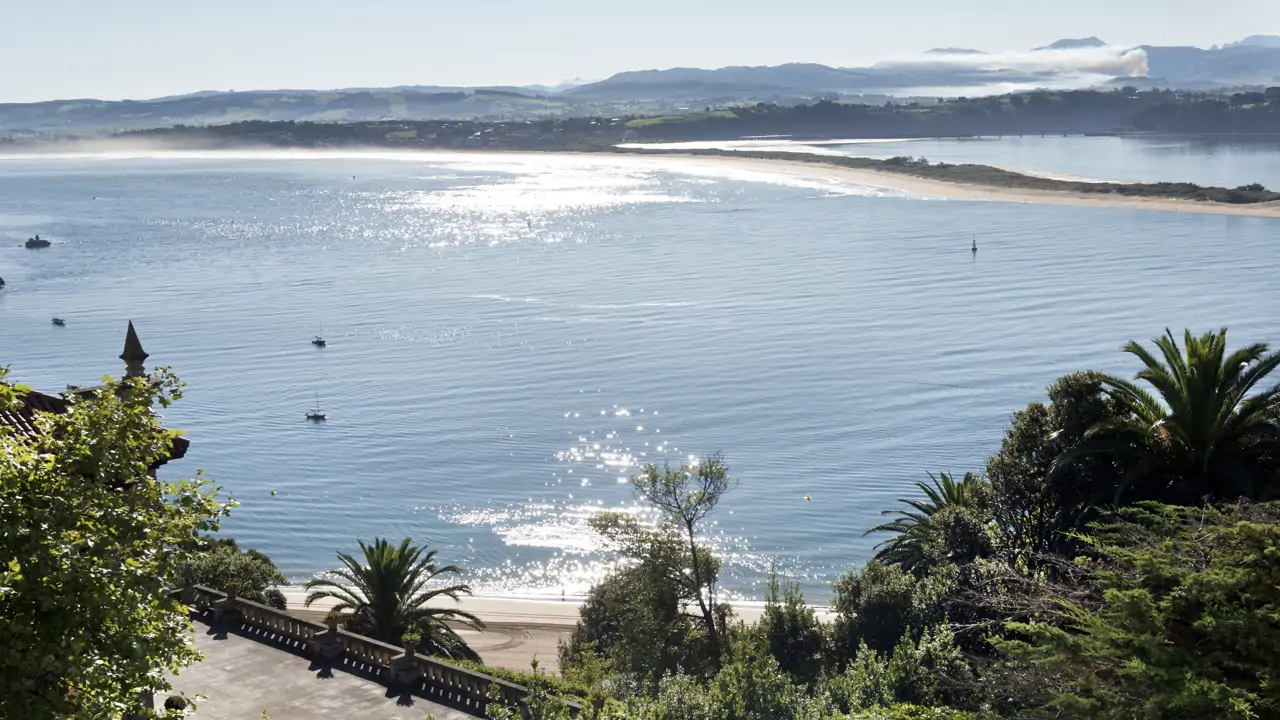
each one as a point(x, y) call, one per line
point(948, 525)
point(1183, 619)
point(1206, 431)
point(249, 573)
point(1108, 564)
point(389, 595)
point(660, 614)
point(87, 541)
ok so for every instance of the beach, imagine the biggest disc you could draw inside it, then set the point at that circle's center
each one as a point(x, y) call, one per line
point(944, 190)
point(516, 629)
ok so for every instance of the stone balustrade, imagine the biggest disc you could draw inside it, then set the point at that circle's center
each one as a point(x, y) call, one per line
point(457, 685)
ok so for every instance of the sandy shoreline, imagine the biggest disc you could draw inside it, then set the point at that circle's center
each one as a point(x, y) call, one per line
point(910, 185)
point(517, 629)
point(521, 611)
point(941, 189)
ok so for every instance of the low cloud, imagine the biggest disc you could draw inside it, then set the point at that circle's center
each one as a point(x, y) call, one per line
point(1021, 70)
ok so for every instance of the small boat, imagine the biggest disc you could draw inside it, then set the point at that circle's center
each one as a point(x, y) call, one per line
point(36, 242)
point(59, 322)
point(975, 244)
point(317, 414)
point(319, 341)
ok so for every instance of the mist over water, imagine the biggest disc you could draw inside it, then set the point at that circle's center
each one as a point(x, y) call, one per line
point(510, 336)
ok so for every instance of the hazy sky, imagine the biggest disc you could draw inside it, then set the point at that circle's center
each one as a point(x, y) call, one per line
point(148, 48)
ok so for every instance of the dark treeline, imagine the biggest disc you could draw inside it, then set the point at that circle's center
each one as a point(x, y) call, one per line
point(1037, 113)
point(1084, 111)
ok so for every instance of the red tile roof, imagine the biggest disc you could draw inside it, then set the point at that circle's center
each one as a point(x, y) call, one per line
point(23, 418)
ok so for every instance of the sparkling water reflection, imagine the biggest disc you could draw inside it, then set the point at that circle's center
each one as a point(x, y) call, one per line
point(511, 336)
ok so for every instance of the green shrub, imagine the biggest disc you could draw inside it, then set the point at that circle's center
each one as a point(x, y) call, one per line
point(927, 672)
point(878, 604)
point(556, 686)
point(792, 631)
point(541, 703)
point(275, 599)
point(1181, 620)
point(911, 712)
point(632, 618)
point(250, 573)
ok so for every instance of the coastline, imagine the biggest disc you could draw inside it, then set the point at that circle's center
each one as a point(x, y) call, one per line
point(517, 630)
point(930, 188)
point(522, 612)
point(820, 167)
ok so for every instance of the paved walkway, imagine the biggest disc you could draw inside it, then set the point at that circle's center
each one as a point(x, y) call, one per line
point(242, 676)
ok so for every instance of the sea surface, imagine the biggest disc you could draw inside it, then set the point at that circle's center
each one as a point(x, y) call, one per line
point(1210, 161)
point(510, 336)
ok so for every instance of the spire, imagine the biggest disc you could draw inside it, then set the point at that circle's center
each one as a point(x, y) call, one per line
point(133, 355)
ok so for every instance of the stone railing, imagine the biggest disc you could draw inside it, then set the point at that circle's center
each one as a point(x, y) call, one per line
point(434, 678)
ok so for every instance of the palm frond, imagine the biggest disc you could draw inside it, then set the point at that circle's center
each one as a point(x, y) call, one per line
point(1202, 424)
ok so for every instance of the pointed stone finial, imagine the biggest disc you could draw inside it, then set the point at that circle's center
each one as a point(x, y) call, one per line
point(133, 355)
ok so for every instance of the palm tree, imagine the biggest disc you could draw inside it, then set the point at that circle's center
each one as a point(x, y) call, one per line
point(1204, 432)
point(914, 530)
point(388, 596)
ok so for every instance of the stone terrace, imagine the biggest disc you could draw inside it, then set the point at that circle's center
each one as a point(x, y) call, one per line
point(241, 676)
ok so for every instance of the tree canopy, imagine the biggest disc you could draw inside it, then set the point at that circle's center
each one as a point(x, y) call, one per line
point(88, 539)
point(389, 595)
point(1210, 429)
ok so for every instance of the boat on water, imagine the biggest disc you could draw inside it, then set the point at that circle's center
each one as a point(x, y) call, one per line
point(317, 414)
point(319, 341)
point(59, 322)
point(36, 242)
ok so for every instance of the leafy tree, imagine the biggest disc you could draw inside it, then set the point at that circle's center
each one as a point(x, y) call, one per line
point(1183, 620)
point(673, 574)
point(251, 574)
point(88, 539)
point(752, 686)
point(928, 672)
point(633, 620)
point(1034, 509)
point(685, 497)
point(792, 632)
point(876, 605)
point(1205, 433)
point(950, 525)
point(389, 595)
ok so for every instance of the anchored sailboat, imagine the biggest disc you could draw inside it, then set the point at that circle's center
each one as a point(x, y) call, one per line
point(317, 413)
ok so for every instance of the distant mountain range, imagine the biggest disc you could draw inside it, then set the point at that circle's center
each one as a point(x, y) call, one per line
point(957, 71)
point(1086, 62)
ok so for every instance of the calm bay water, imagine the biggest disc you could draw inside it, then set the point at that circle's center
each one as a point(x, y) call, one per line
point(509, 336)
point(1221, 162)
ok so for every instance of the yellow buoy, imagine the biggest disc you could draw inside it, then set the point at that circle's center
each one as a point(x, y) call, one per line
point(807, 498)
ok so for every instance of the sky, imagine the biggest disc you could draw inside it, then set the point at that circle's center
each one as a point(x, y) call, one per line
point(117, 49)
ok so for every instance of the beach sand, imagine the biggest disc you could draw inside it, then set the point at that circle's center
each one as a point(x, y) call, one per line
point(941, 189)
point(517, 629)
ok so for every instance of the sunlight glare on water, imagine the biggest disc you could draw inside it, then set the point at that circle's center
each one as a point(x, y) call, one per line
point(510, 337)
